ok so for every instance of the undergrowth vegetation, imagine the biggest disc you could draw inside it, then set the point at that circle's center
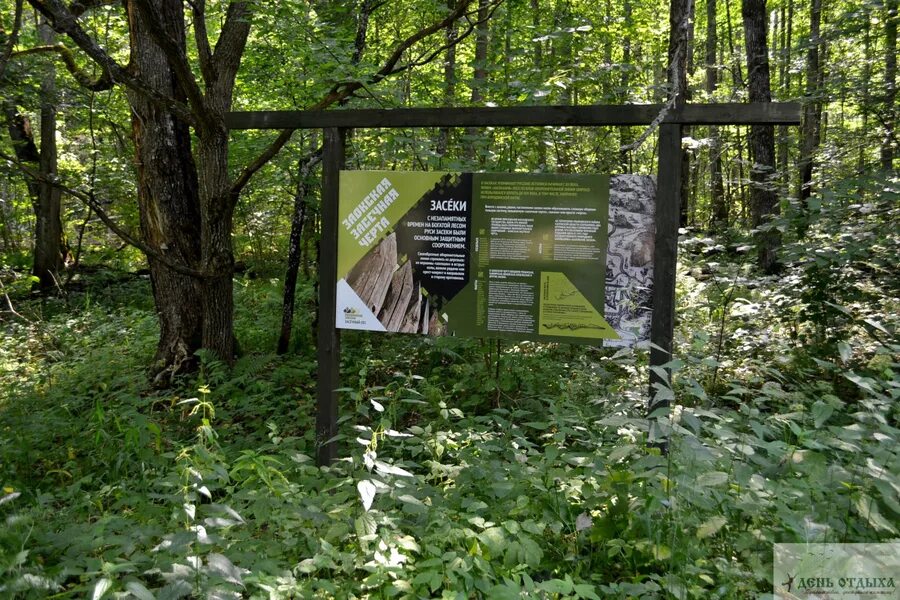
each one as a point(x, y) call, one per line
point(469, 468)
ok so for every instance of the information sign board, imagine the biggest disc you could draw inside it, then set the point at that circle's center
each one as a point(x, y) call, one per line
point(508, 255)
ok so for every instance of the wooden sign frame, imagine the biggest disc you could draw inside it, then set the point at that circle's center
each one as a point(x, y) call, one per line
point(335, 124)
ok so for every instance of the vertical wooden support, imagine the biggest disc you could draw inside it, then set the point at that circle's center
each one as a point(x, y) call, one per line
point(328, 336)
point(668, 202)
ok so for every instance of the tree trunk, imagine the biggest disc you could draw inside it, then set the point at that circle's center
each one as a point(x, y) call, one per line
point(217, 253)
point(763, 197)
point(479, 68)
point(810, 135)
point(49, 247)
point(784, 71)
point(561, 52)
point(168, 196)
point(537, 60)
point(866, 100)
point(298, 224)
point(680, 34)
point(625, 133)
point(49, 244)
point(449, 82)
point(889, 143)
point(21, 135)
point(719, 220)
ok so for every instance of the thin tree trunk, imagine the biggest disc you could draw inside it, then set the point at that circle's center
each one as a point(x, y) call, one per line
point(562, 54)
point(298, 223)
point(716, 188)
point(49, 247)
point(679, 57)
point(864, 105)
point(449, 82)
point(21, 135)
point(537, 59)
point(625, 135)
point(737, 74)
point(889, 143)
point(479, 71)
point(784, 80)
point(763, 197)
point(810, 135)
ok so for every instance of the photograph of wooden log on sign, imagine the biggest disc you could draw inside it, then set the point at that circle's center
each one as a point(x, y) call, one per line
point(390, 291)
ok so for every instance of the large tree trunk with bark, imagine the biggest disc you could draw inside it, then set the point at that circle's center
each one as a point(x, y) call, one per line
point(217, 253)
point(763, 196)
point(168, 195)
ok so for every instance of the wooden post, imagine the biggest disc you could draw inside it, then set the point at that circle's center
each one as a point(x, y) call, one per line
point(668, 186)
point(328, 338)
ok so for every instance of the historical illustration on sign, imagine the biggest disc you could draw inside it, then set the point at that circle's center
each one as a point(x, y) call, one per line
point(517, 256)
point(629, 259)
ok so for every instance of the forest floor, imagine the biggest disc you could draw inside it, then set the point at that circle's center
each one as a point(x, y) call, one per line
point(468, 468)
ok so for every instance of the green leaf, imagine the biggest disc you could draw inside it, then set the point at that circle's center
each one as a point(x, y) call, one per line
point(138, 590)
point(493, 539)
point(533, 553)
point(845, 351)
point(410, 500)
point(868, 510)
point(222, 566)
point(583, 590)
point(620, 452)
point(556, 586)
point(712, 478)
point(366, 493)
point(365, 525)
point(821, 411)
point(711, 526)
point(100, 588)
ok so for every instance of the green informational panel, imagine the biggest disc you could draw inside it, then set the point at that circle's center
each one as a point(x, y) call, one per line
point(518, 256)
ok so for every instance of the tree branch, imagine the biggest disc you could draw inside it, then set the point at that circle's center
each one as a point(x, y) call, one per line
point(258, 163)
point(427, 57)
point(91, 202)
point(201, 38)
point(12, 39)
point(98, 84)
point(64, 22)
point(342, 91)
point(230, 47)
point(78, 8)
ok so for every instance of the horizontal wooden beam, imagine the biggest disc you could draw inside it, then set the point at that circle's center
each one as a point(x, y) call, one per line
point(771, 113)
